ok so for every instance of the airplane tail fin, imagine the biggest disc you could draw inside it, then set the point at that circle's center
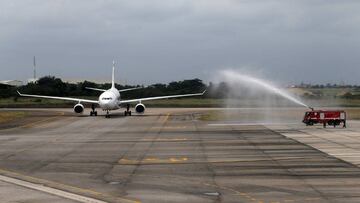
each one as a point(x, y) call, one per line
point(113, 76)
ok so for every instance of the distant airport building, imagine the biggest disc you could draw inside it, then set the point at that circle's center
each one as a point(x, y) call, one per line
point(16, 83)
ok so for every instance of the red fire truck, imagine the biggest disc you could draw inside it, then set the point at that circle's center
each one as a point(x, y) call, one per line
point(325, 117)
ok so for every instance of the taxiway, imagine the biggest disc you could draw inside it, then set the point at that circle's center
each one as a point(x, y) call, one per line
point(169, 155)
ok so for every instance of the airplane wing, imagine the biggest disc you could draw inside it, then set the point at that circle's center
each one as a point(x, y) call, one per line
point(60, 98)
point(161, 97)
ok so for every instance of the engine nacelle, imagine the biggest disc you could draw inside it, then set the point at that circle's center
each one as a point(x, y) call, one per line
point(140, 108)
point(78, 108)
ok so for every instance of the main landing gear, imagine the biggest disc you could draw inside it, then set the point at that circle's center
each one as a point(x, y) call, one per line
point(93, 112)
point(127, 112)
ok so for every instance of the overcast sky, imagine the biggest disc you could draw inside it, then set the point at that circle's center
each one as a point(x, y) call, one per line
point(165, 40)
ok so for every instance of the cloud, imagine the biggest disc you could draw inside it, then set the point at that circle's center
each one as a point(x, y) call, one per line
point(156, 40)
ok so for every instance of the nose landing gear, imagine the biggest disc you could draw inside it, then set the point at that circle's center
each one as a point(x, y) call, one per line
point(107, 114)
point(127, 112)
point(93, 112)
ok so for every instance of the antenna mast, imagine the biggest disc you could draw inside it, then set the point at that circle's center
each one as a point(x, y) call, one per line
point(34, 68)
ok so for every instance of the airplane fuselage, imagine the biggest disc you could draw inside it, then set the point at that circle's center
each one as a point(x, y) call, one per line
point(109, 100)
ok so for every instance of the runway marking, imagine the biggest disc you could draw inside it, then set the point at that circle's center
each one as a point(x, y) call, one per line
point(166, 139)
point(175, 160)
point(58, 189)
point(153, 161)
point(312, 199)
point(166, 118)
point(152, 135)
point(185, 160)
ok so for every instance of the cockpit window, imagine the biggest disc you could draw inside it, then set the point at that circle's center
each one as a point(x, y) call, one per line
point(106, 98)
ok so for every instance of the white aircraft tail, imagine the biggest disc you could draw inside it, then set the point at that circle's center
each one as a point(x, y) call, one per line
point(113, 76)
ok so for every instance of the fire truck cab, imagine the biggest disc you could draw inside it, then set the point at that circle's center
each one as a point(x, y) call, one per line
point(325, 117)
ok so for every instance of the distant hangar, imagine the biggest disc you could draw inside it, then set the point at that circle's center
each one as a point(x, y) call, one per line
point(16, 83)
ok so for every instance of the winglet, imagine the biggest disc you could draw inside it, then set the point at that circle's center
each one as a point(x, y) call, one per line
point(204, 92)
point(18, 92)
point(113, 75)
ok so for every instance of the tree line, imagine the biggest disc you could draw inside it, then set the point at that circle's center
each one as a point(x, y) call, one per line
point(53, 86)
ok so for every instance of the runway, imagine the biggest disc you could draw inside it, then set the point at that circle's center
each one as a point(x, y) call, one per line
point(169, 155)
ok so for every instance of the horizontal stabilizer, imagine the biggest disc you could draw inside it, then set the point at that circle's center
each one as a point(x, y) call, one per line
point(130, 89)
point(96, 89)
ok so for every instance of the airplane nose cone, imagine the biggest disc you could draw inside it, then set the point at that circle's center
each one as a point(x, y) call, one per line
point(105, 104)
point(107, 101)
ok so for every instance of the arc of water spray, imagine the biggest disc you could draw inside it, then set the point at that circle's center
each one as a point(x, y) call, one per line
point(234, 76)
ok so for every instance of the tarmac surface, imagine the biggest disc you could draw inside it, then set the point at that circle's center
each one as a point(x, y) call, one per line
point(169, 155)
point(13, 193)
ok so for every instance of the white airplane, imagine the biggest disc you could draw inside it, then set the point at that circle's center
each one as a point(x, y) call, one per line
point(110, 99)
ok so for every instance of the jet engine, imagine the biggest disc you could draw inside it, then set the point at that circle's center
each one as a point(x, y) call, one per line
point(140, 108)
point(78, 108)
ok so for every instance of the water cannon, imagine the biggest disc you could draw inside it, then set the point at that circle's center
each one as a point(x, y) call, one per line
point(311, 108)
